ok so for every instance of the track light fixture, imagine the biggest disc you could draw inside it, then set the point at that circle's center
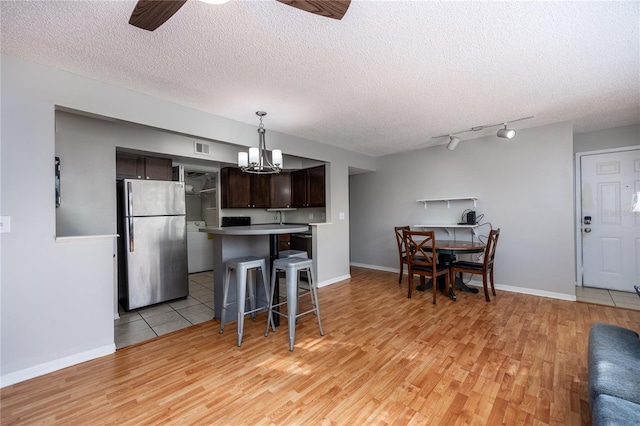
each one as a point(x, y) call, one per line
point(453, 142)
point(505, 132)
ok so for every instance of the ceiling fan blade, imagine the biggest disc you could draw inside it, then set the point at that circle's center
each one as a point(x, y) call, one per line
point(150, 14)
point(329, 8)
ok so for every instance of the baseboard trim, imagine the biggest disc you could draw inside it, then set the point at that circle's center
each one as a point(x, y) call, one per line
point(377, 268)
point(334, 280)
point(474, 283)
point(58, 364)
point(529, 291)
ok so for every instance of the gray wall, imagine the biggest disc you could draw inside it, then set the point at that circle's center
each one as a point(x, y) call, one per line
point(87, 176)
point(616, 137)
point(524, 187)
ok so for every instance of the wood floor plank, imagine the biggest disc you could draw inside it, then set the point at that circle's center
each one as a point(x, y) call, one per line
point(384, 359)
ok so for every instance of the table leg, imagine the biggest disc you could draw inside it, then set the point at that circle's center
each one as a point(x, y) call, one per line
point(445, 259)
point(462, 286)
point(423, 286)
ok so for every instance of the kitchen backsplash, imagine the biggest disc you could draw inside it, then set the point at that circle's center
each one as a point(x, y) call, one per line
point(291, 216)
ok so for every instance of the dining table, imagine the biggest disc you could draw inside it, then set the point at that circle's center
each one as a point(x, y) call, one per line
point(447, 251)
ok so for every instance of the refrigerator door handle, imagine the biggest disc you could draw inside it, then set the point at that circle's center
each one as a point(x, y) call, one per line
point(130, 234)
point(130, 202)
point(130, 198)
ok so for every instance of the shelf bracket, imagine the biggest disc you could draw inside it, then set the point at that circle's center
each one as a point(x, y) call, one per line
point(448, 204)
point(475, 206)
point(425, 204)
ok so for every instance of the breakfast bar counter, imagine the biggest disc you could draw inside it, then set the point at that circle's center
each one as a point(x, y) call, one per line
point(265, 229)
point(237, 241)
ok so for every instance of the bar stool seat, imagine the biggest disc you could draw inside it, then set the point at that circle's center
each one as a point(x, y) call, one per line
point(295, 253)
point(292, 253)
point(245, 268)
point(292, 267)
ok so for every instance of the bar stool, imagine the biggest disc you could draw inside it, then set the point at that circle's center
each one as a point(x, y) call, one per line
point(245, 268)
point(292, 267)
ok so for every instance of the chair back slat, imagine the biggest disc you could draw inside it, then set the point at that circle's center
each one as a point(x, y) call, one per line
point(490, 251)
point(400, 239)
point(421, 248)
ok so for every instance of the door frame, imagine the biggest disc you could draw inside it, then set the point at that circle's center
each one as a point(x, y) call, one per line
point(578, 202)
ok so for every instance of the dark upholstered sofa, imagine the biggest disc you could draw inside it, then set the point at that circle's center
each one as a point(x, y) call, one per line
point(614, 375)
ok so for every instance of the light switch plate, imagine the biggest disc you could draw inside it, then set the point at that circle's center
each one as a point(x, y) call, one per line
point(5, 224)
point(341, 215)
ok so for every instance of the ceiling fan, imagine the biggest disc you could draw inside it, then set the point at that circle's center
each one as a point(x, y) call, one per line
point(150, 14)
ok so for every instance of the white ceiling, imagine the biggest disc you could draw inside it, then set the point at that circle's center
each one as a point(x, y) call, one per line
point(386, 78)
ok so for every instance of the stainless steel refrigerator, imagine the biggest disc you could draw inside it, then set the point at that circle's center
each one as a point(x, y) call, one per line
point(152, 249)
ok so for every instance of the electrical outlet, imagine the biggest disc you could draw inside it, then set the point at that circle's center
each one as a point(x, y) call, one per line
point(341, 215)
point(5, 224)
point(310, 215)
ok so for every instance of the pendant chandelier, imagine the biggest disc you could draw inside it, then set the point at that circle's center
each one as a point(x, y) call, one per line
point(256, 160)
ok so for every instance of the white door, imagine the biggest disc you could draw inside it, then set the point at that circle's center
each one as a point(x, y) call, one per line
point(611, 241)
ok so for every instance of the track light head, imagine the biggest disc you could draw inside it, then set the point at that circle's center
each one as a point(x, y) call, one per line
point(453, 142)
point(506, 133)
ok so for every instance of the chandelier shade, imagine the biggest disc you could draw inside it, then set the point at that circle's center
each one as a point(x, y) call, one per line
point(256, 161)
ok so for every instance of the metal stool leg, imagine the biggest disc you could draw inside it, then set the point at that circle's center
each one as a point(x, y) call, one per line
point(225, 297)
point(271, 293)
point(241, 295)
point(265, 284)
point(314, 297)
point(292, 302)
point(251, 289)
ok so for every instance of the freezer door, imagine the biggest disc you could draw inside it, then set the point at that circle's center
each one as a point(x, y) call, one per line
point(153, 198)
point(156, 257)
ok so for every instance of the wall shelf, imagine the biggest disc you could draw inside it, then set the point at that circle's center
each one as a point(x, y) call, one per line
point(449, 226)
point(447, 200)
point(204, 191)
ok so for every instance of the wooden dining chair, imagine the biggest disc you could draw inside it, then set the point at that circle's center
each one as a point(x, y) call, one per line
point(421, 259)
point(485, 268)
point(402, 250)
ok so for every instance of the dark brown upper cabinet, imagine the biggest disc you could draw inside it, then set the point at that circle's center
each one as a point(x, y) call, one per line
point(242, 190)
point(308, 187)
point(135, 166)
point(280, 191)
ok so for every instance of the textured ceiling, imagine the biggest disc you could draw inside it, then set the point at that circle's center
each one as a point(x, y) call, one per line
point(386, 78)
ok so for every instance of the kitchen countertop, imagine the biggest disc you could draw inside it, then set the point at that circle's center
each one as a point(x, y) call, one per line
point(266, 229)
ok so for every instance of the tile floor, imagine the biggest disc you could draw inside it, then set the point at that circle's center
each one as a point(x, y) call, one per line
point(601, 296)
point(146, 323)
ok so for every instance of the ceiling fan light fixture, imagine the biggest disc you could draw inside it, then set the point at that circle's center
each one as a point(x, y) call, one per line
point(506, 133)
point(453, 142)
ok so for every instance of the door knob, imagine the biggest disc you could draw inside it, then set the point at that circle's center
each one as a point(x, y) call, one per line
point(587, 230)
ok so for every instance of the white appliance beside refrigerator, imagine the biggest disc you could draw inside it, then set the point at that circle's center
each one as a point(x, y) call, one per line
point(152, 247)
point(199, 247)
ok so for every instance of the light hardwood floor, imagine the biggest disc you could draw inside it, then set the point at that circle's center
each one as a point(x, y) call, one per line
point(384, 359)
